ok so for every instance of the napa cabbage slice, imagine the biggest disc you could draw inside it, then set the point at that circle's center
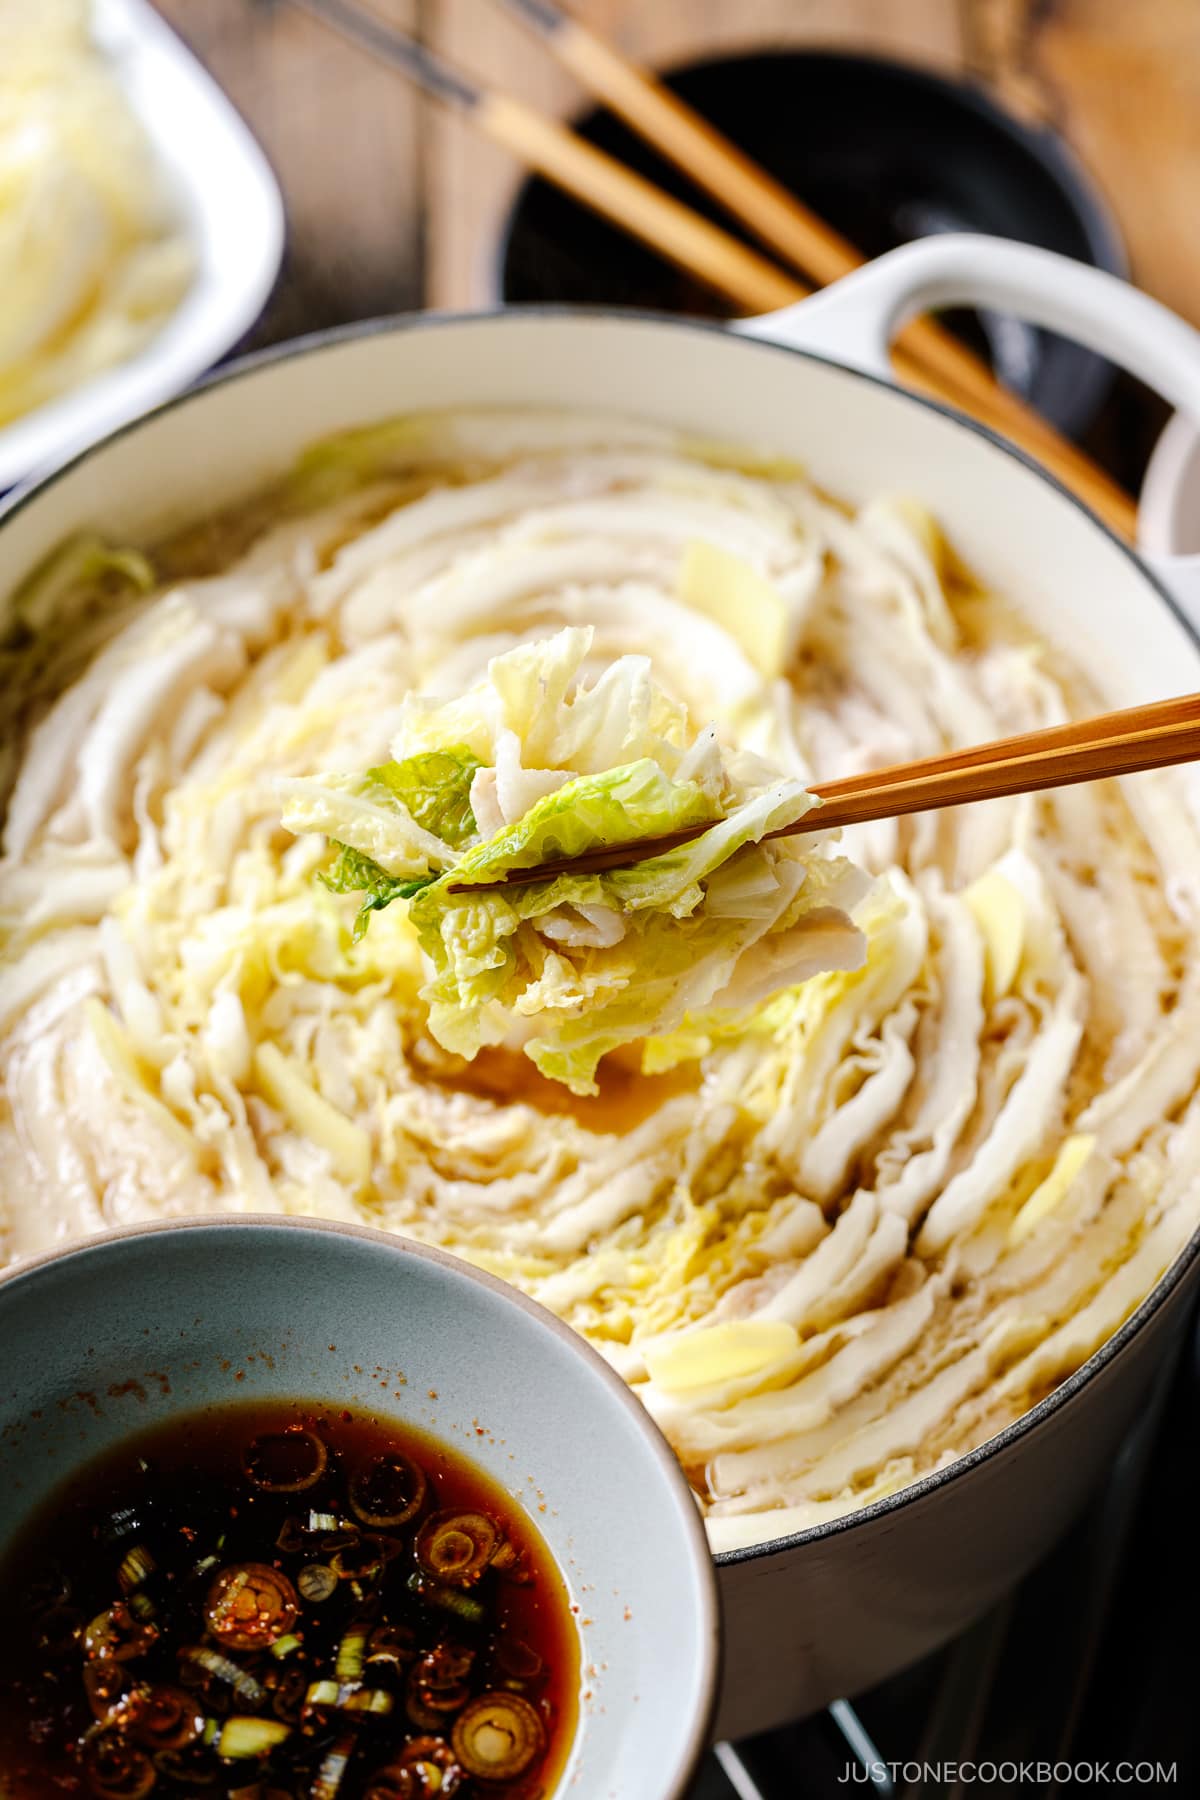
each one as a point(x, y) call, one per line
point(544, 759)
point(742, 601)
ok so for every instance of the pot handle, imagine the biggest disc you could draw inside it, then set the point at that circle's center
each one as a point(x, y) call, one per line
point(855, 319)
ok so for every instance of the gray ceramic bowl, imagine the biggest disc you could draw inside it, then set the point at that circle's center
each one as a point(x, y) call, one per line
point(125, 1331)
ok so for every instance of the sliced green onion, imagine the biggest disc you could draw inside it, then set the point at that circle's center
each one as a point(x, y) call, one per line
point(422, 1716)
point(118, 1635)
point(291, 1536)
point(285, 1462)
point(323, 1693)
point(387, 1490)
point(162, 1718)
point(437, 1685)
point(428, 1760)
point(211, 1662)
point(141, 1606)
point(358, 1561)
point(391, 1646)
point(368, 1700)
point(329, 1775)
point(497, 1737)
point(287, 1696)
point(106, 1683)
point(348, 1696)
point(456, 1547)
point(451, 1600)
point(251, 1737)
point(319, 1521)
point(223, 1596)
point(285, 1645)
point(363, 1557)
point(444, 1700)
point(446, 1663)
point(510, 1562)
point(351, 1653)
point(316, 1581)
point(250, 1605)
point(115, 1770)
point(136, 1565)
point(518, 1658)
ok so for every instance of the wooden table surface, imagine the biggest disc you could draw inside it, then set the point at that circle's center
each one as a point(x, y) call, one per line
point(394, 204)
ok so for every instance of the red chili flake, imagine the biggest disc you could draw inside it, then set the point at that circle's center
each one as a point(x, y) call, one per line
point(119, 1389)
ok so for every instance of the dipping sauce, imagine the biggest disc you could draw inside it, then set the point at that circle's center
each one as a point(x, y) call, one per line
point(284, 1602)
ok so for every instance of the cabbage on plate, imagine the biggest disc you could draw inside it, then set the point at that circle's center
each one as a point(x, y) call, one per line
point(539, 762)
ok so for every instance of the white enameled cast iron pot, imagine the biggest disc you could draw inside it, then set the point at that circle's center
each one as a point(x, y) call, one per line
point(832, 1610)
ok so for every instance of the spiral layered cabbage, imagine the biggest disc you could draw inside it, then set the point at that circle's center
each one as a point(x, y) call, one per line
point(833, 1241)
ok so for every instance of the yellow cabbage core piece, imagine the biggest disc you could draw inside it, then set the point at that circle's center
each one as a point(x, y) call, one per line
point(718, 1353)
point(743, 602)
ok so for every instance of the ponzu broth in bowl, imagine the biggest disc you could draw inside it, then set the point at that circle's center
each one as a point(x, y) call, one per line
point(289, 1593)
point(288, 1350)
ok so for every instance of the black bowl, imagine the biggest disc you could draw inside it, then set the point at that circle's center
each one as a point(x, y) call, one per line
point(885, 152)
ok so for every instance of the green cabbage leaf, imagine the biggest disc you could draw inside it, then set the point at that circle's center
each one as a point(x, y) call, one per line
point(542, 761)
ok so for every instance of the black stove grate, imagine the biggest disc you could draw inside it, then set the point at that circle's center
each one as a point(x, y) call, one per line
point(1083, 1680)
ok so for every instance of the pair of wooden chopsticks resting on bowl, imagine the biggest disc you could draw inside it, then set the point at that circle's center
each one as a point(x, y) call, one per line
point(927, 358)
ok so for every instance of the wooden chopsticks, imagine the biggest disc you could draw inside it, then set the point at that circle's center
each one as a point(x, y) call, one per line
point(1112, 744)
point(684, 237)
point(1116, 743)
point(926, 356)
